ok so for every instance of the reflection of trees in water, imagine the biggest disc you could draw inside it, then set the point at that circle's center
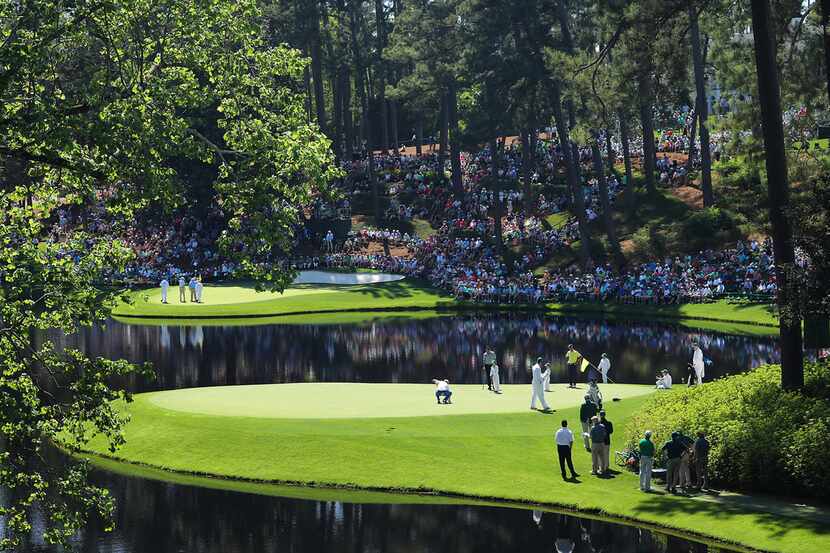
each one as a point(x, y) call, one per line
point(415, 350)
point(166, 518)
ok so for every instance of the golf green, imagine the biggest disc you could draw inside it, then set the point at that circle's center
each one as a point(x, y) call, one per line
point(394, 437)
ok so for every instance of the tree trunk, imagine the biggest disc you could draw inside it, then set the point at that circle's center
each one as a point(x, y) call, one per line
point(393, 119)
point(419, 134)
point(693, 136)
point(609, 152)
point(647, 121)
point(337, 124)
point(455, 146)
point(381, 77)
point(702, 110)
point(526, 170)
point(442, 146)
point(578, 201)
point(825, 26)
point(317, 69)
point(498, 208)
point(359, 81)
point(769, 99)
point(626, 151)
point(307, 81)
point(607, 214)
point(348, 117)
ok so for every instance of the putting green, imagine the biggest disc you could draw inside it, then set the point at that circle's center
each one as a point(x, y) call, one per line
point(352, 400)
point(227, 294)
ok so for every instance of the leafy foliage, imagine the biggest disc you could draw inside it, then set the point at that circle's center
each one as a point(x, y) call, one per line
point(124, 103)
point(763, 438)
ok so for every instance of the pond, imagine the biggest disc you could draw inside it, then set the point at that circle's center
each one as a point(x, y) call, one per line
point(158, 517)
point(163, 517)
point(413, 350)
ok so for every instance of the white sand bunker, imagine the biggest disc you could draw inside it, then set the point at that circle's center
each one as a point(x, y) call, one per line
point(323, 277)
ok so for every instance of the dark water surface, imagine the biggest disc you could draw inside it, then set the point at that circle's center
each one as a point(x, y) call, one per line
point(414, 350)
point(157, 517)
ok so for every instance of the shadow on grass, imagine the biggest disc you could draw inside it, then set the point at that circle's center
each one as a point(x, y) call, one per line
point(778, 519)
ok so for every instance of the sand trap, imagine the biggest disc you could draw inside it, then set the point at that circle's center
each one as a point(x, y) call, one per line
point(323, 277)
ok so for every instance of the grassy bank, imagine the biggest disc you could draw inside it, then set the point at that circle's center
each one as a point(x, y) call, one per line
point(320, 304)
point(302, 436)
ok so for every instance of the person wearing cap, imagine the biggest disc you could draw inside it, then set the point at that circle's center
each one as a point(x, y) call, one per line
point(442, 391)
point(664, 380)
point(594, 393)
point(646, 461)
point(604, 366)
point(495, 381)
point(674, 449)
point(609, 429)
point(572, 358)
point(586, 412)
point(564, 446)
point(598, 435)
point(701, 450)
point(489, 360)
point(538, 386)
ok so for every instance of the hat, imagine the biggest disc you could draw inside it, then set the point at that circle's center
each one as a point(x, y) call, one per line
point(675, 435)
point(648, 433)
point(538, 359)
point(604, 355)
point(587, 396)
point(602, 411)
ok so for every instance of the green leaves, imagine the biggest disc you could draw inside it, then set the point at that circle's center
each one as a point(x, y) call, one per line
point(125, 104)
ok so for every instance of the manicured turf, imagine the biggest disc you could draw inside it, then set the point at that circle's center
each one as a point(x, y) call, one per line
point(218, 301)
point(352, 400)
point(307, 303)
point(508, 455)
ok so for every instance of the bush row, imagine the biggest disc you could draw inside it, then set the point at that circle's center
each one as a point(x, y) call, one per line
point(763, 439)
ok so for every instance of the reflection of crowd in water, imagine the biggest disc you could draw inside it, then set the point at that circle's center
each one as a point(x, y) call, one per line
point(414, 351)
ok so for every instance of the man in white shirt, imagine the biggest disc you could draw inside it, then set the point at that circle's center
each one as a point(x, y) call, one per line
point(564, 445)
point(697, 363)
point(604, 366)
point(538, 385)
point(199, 288)
point(182, 288)
point(664, 381)
point(164, 286)
point(442, 390)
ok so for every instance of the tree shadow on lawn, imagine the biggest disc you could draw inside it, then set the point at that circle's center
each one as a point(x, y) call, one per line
point(777, 517)
point(394, 290)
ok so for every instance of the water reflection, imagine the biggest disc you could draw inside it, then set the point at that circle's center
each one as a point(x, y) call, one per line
point(413, 350)
point(166, 518)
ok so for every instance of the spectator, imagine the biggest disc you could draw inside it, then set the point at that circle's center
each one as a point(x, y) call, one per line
point(564, 447)
point(646, 447)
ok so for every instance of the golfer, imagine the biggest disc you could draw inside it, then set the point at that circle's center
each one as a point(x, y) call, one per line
point(182, 288)
point(165, 284)
point(572, 358)
point(442, 391)
point(538, 386)
point(495, 382)
point(489, 359)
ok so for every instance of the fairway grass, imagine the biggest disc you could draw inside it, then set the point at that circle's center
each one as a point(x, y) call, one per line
point(482, 446)
point(315, 303)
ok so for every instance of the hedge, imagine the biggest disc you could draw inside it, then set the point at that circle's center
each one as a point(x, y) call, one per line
point(762, 438)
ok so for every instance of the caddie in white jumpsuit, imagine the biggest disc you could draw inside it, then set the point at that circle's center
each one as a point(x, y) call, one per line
point(494, 378)
point(697, 363)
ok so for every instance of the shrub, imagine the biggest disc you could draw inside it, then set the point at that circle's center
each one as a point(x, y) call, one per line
point(762, 438)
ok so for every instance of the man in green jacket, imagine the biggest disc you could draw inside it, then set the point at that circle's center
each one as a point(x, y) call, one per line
point(586, 411)
point(646, 461)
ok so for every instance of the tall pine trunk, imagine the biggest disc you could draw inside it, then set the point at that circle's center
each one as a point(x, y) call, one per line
point(348, 116)
point(607, 214)
point(419, 134)
point(647, 122)
point(337, 123)
point(702, 110)
point(578, 200)
point(317, 68)
point(443, 123)
point(609, 152)
point(455, 145)
point(769, 99)
point(381, 78)
point(527, 169)
point(626, 151)
point(393, 119)
point(498, 208)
